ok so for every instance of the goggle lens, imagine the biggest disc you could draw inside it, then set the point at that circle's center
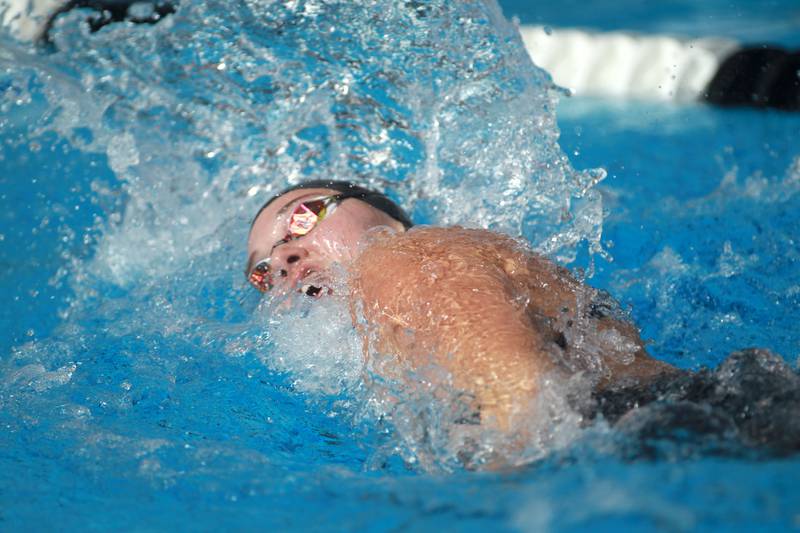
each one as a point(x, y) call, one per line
point(260, 277)
point(306, 216)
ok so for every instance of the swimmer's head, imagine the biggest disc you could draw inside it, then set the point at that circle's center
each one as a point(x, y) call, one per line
point(299, 233)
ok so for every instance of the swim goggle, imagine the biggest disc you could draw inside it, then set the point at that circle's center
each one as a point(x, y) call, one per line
point(304, 218)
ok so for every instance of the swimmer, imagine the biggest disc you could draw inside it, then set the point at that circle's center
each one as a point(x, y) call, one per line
point(495, 316)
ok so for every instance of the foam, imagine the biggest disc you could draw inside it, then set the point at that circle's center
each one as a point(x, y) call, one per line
point(314, 340)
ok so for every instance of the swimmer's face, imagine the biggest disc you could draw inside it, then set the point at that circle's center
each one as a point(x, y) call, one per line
point(303, 263)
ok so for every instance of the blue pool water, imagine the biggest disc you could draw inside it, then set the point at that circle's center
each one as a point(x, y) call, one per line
point(142, 388)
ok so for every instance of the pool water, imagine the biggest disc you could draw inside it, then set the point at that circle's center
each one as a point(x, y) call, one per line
point(143, 386)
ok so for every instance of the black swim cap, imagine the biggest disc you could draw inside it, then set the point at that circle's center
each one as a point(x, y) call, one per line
point(376, 199)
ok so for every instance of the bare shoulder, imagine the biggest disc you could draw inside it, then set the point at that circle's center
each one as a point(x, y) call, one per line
point(440, 259)
point(468, 258)
point(459, 296)
point(451, 286)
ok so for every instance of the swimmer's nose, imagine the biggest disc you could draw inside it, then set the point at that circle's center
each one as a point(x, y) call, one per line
point(286, 260)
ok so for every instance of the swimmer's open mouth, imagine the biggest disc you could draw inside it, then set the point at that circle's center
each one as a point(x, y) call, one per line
point(315, 285)
point(312, 290)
